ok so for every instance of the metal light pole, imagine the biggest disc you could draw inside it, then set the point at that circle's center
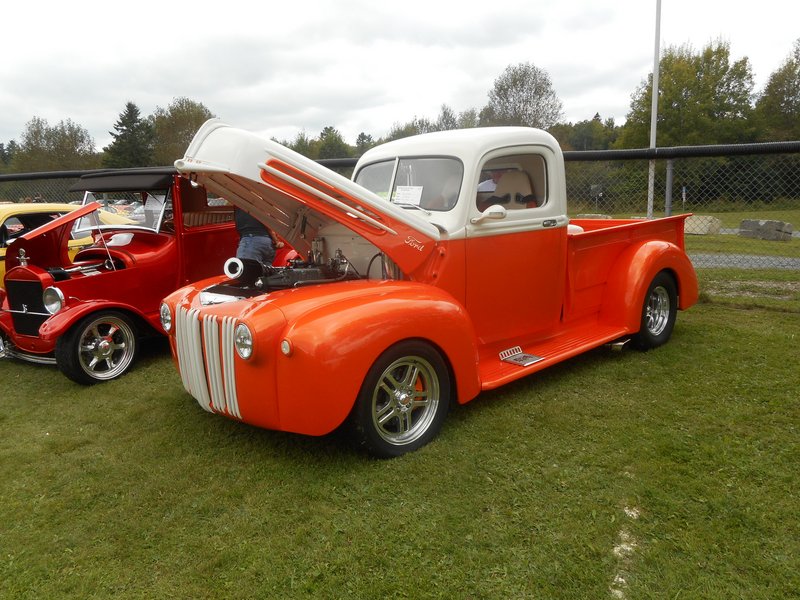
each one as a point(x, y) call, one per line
point(651, 178)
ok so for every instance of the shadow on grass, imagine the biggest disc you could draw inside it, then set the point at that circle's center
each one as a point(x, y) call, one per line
point(535, 387)
point(527, 394)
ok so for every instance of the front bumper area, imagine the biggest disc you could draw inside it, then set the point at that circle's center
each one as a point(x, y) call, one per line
point(8, 350)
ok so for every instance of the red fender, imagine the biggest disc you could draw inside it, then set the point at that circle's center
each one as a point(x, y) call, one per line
point(335, 344)
point(632, 274)
point(60, 323)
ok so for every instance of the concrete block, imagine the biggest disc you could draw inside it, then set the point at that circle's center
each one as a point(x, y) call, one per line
point(765, 229)
point(703, 225)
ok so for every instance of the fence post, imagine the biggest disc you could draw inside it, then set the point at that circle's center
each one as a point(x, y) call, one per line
point(668, 190)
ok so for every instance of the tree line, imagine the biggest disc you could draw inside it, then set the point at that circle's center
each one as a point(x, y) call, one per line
point(704, 98)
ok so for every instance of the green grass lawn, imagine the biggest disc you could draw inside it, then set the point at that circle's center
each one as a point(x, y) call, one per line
point(667, 474)
point(735, 244)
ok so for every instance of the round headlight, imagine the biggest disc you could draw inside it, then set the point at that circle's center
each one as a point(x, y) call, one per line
point(243, 341)
point(166, 317)
point(53, 300)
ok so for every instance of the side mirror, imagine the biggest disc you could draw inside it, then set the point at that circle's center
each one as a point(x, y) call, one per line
point(494, 212)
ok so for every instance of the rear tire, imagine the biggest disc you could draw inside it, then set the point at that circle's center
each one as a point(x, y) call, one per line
point(659, 311)
point(100, 347)
point(403, 401)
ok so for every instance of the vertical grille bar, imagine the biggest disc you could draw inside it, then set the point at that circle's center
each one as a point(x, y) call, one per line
point(232, 401)
point(190, 356)
point(206, 359)
point(181, 322)
point(211, 347)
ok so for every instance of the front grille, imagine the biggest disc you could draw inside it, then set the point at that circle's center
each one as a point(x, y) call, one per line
point(27, 309)
point(206, 359)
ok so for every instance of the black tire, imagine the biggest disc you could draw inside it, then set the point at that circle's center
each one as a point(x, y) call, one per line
point(100, 347)
point(659, 310)
point(403, 401)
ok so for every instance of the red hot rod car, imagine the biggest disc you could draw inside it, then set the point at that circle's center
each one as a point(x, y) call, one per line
point(87, 314)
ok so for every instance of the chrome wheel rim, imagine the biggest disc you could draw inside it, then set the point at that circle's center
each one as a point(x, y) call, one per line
point(657, 311)
point(106, 348)
point(405, 400)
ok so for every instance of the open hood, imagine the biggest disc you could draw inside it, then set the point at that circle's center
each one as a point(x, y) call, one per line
point(47, 245)
point(296, 196)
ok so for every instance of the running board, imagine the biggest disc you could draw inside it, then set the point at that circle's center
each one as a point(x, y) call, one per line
point(500, 367)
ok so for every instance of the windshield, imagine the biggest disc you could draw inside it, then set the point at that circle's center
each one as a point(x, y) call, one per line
point(150, 210)
point(431, 184)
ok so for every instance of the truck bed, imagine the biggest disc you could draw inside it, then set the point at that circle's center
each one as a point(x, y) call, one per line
point(591, 257)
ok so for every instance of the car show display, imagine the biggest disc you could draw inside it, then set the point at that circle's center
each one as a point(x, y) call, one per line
point(446, 266)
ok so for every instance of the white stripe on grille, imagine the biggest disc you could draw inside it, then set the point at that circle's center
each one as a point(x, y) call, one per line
point(206, 359)
point(231, 399)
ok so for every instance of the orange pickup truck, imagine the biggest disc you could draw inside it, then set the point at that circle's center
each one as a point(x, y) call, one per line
point(445, 267)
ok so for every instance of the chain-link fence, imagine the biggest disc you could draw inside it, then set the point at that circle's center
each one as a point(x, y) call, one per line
point(745, 198)
point(40, 187)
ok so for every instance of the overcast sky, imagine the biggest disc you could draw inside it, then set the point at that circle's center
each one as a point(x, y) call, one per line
point(282, 67)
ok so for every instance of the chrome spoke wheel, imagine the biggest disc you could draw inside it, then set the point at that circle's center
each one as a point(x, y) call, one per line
point(405, 400)
point(106, 347)
point(657, 310)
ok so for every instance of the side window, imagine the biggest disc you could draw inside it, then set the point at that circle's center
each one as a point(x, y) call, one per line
point(516, 182)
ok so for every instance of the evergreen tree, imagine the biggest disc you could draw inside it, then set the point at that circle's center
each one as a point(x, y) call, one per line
point(331, 144)
point(364, 142)
point(133, 141)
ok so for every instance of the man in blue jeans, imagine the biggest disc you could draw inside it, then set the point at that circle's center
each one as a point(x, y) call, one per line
point(256, 241)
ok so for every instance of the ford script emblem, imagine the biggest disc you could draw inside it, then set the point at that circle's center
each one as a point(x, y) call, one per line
point(415, 243)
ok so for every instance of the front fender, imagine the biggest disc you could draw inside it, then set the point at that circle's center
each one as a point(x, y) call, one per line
point(334, 345)
point(632, 274)
point(63, 320)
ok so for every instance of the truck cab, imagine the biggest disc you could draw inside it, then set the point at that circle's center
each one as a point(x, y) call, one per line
point(507, 240)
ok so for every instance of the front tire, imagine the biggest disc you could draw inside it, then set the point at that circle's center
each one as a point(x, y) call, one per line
point(403, 401)
point(659, 311)
point(101, 347)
